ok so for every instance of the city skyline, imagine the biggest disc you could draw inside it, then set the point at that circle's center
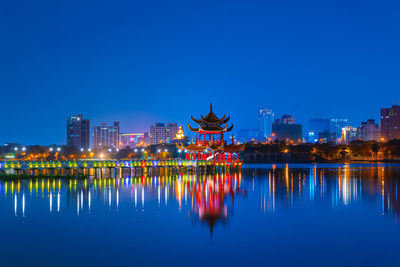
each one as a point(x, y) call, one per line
point(145, 127)
point(145, 63)
point(306, 128)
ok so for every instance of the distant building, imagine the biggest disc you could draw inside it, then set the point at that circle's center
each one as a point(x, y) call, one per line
point(285, 129)
point(172, 130)
point(133, 140)
point(266, 118)
point(285, 119)
point(78, 132)
point(326, 136)
point(316, 127)
point(349, 133)
point(336, 126)
point(106, 136)
point(390, 123)
point(180, 137)
point(248, 135)
point(158, 133)
point(369, 131)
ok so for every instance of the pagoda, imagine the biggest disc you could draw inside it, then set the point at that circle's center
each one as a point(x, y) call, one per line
point(210, 144)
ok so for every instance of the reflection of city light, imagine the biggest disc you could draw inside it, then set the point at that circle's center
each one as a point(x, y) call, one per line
point(208, 195)
point(58, 201)
point(51, 201)
point(15, 204)
point(23, 205)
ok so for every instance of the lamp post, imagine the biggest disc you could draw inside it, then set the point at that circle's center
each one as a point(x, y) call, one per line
point(16, 152)
point(58, 150)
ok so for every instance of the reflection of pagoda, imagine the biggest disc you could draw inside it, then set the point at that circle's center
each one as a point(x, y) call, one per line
point(210, 144)
point(210, 195)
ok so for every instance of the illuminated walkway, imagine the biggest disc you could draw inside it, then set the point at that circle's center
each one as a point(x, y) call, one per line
point(172, 164)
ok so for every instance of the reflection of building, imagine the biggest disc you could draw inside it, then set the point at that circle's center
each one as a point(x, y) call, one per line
point(78, 132)
point(349, 133)
point(106, 136)
point(369, 131)
point(158, 133)
point(265, 117)
point(390, 123)
point(210, 197)
point(133, 140)
point(285, 129)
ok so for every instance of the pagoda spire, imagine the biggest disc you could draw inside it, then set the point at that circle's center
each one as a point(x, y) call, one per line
point(210, 106)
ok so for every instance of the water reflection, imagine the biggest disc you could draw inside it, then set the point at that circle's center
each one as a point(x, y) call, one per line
point(210, 199)
point(340, 186)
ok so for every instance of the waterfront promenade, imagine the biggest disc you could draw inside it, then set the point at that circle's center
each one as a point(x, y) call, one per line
point(138, 166)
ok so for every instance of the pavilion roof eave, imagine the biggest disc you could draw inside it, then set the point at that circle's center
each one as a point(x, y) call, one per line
point(216, 130)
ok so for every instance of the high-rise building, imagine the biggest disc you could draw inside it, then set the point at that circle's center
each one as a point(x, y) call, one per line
point(336, 126)
point(349, 133)
point(390, 123)
point(369, 131)
point(133, 140)
point(285, 129)
point(172, 130)
point(158, 133)
point(266, 118)
point(317, 128)
point(106, 136)
point(78, 132)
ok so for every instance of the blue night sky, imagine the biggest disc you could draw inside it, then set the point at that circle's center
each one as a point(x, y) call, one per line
point(146, 61)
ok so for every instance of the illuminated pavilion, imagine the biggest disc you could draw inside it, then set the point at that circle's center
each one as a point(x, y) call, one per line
point(210, 144)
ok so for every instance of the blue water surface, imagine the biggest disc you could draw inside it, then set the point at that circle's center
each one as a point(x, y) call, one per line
point(269, 214)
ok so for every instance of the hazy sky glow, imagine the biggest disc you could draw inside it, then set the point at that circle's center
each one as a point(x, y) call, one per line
point(145, 61)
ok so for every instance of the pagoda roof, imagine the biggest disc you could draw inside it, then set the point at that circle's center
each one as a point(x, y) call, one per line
point(214, 147)
point(201, 148)
point(211, 128)
point(234, 147)
point(211, 118)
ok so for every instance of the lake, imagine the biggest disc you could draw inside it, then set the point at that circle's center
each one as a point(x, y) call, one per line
point(269, 214)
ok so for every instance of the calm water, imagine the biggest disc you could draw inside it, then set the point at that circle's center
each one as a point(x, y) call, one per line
point(267, 215)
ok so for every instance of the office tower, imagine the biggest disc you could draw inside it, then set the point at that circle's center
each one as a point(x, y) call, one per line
point(133, 140)
point(390, 123)
point(172, 130)
point(106, 136)
point(349, 133)
point(336, 126)
point(78, 132)
point(266, 118)
point(285, 129)
point(158, 133)
point(369, 131)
